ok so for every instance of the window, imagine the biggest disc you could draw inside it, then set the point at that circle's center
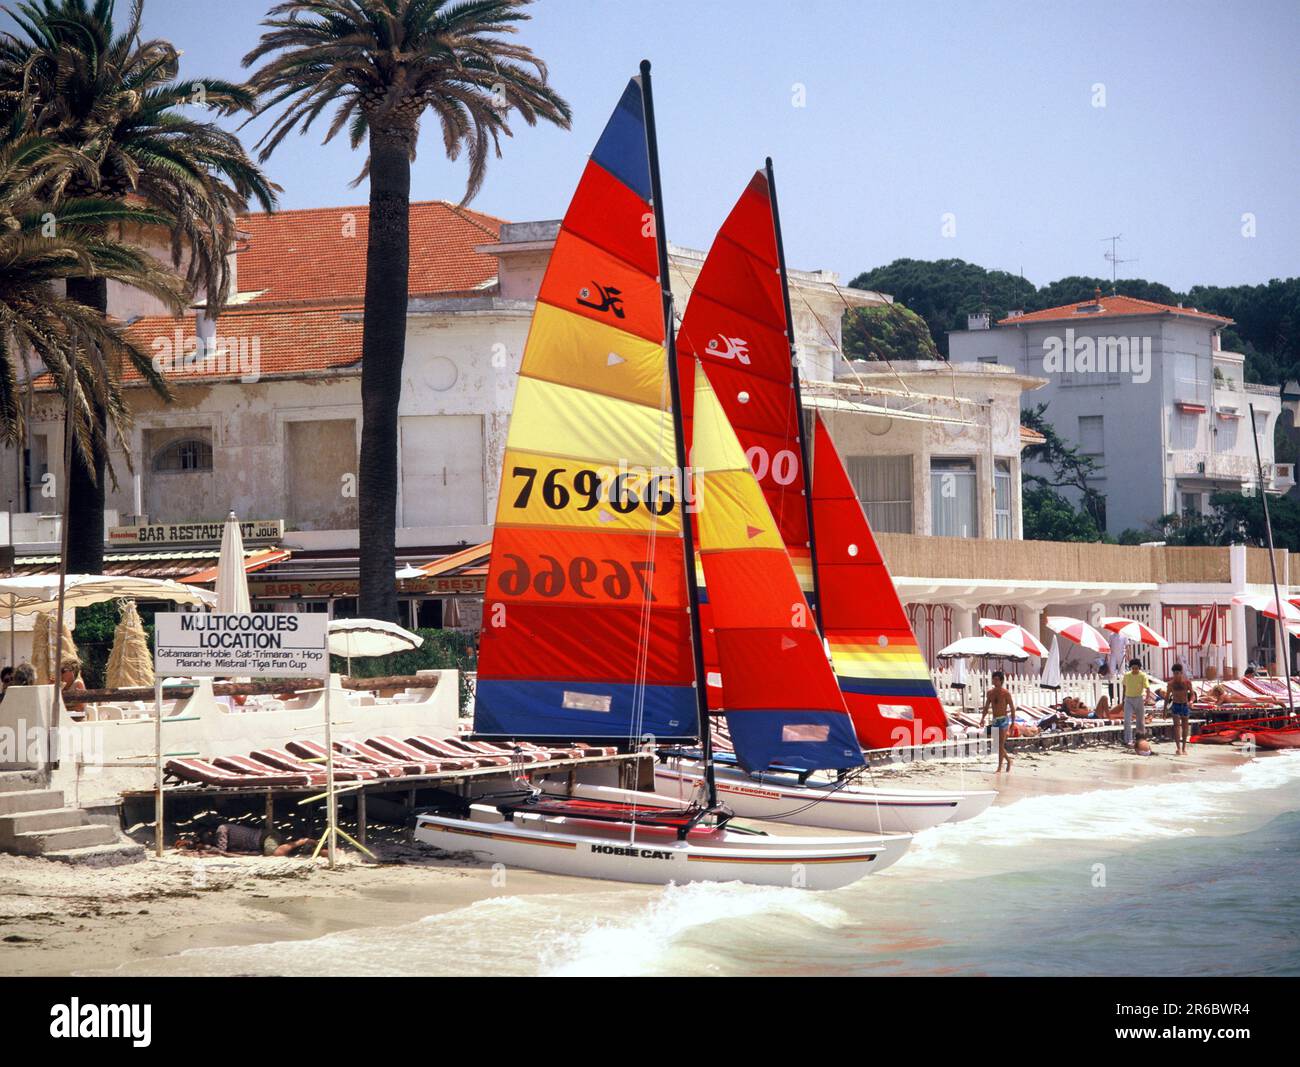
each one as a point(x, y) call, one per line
point(1191, 504)
point(954, 507)
point(1092, 439)
point(183, 456)
point(884, 485)
point(1002, 499)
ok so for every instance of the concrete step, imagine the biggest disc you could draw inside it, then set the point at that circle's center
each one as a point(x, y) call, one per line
point(51, 819)
point(100, 855)
point(30, 800)
point(43, 842)
point(12, 781)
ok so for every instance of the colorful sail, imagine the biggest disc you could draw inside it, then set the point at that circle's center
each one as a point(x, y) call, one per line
point(781, 701)
point(885, 679)
point(586, 628)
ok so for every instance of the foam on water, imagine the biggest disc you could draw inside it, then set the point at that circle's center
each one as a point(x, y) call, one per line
point(725, 928)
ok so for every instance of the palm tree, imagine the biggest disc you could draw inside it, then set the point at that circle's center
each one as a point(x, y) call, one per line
point(116, 99)
point(380, 64)
point(35, 318)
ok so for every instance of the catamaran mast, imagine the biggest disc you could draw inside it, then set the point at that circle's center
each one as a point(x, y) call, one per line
point(679, 437)
point(1272, 565)
point(798, 397)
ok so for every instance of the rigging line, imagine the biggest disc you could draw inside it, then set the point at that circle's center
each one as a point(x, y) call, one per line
point(849, 307)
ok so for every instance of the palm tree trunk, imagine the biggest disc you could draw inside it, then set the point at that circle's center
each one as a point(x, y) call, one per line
point(85, 486)
point(383, 347)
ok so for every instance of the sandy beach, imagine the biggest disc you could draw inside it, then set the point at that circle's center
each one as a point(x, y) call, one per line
point(58, 920)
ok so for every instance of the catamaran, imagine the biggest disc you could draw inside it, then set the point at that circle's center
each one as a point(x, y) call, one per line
point(591, 616)
point(739, 326)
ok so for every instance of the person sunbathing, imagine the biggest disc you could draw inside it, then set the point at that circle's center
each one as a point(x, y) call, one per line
point(232, 839)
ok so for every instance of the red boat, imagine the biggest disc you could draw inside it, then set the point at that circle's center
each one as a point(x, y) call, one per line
point(1273, 739)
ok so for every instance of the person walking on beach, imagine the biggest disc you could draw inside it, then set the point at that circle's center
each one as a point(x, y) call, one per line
point(999, 703)
point(1180, 696)
point(1137, 687)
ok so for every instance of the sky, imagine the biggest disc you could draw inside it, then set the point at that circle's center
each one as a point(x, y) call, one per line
point(1017, 136)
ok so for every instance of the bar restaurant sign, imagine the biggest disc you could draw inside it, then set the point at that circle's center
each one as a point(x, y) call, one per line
point(254, 645)
point(193, 533)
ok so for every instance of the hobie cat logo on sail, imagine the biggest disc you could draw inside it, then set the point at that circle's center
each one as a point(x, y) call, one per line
point(611, 299)
point(725, 347)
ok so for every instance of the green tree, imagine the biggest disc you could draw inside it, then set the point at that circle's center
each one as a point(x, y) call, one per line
point(100, 89)
point(1048, 516)
point(1062, 466)
point(41, 249)
point(889, 332)
point(380, 64)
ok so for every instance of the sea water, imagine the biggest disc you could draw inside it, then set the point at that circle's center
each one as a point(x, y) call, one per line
point(1172, 878)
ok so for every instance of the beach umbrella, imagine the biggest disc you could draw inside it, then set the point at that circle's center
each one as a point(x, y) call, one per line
point(1017, 635)
point(232, 579)
point(1268, 605)
point(369, 637)
point(1132, 630)
point(1051, 676)
point(1080, 633)
point(982, 648)
point(129, 663)
point(44, 661)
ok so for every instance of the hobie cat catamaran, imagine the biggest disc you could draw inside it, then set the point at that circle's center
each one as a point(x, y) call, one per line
point(591, 616)
point(739, 326)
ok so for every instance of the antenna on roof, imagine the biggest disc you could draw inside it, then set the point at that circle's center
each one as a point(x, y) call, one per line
point(1113, 257)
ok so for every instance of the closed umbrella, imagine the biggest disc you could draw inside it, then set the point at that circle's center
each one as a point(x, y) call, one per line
point(1051, 676)
point(369, 637)
point(232, 579)
point(129, 663)
point(1017, 635)
point(1080, 633)
point(45, 660)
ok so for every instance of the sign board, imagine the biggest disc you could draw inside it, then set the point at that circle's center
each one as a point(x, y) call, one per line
point(255, 645)
point(290, 589)
point(450, 584)
point(193, 533)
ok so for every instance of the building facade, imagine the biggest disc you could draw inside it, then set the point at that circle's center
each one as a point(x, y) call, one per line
point(1146, 390)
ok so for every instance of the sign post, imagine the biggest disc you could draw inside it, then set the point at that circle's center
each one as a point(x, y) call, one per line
point(246, 645)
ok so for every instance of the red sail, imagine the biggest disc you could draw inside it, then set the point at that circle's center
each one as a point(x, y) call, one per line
point(881, 671)
point(735, 326)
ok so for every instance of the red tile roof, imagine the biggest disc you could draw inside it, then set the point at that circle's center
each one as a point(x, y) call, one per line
point(1111, 307)
point(268, 342)
point(318, 255)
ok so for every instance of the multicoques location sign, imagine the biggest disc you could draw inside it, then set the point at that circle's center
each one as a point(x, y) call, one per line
point(253, 645)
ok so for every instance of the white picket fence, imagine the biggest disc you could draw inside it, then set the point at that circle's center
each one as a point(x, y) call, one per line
point(1024, 688)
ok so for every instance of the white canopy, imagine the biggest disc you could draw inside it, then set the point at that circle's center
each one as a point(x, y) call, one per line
point(356, 638)
point(232, 579)
point(40, 592)
point(983, 648)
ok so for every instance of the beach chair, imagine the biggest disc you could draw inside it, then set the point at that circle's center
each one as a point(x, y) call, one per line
point(206, 772)
point(314, 753)
point(256, 769)
point(365, 752)
point(281, 760)
point(489, 755)
point(450, 761)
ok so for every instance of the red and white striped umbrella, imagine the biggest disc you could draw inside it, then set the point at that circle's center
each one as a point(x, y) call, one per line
point(1134, 631)
point(1079, 632)
point(1268, 605)
point(1017, 635)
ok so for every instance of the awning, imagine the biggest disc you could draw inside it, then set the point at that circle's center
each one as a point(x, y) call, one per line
point(842, 404)
point(459, 562)
point(1189, 408)
point(253, 561)
point(178, 564)
point(40, 592)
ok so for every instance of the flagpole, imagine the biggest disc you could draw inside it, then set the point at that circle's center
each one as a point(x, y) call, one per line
point(1272, 565)
point(679, 436)
point(798, 395)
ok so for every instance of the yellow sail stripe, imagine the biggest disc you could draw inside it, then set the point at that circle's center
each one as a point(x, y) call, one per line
point(525, 501)
point(566, 348)
point(563, 421)
point(731, 512)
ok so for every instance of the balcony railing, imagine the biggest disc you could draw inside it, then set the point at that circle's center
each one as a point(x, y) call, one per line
point(1191, 464)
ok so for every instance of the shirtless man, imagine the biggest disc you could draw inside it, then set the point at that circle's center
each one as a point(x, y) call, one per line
point(998, 702)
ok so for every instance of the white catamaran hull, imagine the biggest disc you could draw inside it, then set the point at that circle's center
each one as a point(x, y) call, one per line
point(853, 808)
point(611, 851)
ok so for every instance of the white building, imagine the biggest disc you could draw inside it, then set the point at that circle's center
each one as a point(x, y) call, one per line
point(1146, 390)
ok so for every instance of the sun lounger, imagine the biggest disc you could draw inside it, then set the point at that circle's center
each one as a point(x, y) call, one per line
point(281, 760)
point(485, 755)
point(208, 772)
point(447, 761)
point(256, 768)
point(315, 753)
point(367, 752)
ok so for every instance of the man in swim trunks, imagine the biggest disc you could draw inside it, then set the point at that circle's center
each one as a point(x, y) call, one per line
point(998, 702)
point(1181, 695)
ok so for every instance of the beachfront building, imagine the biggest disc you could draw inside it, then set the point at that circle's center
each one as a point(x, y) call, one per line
point(1147, 391)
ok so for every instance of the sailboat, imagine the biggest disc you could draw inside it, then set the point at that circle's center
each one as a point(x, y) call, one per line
point(739, 325)
point(591, 615)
